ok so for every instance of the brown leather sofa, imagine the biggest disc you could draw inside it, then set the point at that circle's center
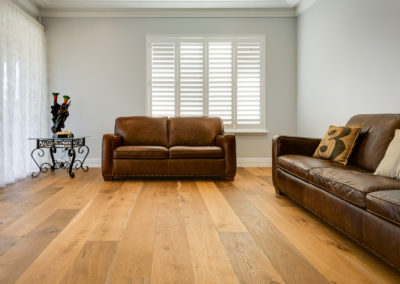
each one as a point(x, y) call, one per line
point(174, 147)
point(363, 206)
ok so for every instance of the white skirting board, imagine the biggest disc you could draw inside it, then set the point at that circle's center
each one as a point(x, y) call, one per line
point(254, 162)
point(241, 162)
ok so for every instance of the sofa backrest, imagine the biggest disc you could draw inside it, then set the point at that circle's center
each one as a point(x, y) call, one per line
point(194, 131)
point(142, 130)
point(374, 138)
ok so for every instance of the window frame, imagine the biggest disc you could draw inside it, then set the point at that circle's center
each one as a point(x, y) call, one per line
point(205, 39)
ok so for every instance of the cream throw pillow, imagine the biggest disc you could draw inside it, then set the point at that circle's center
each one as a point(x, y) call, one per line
point(390, 164)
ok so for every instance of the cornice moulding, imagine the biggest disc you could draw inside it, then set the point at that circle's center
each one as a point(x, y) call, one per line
point(171, 13)
point(29, 6)
point(303, 5)
point(167, 9)
point(170, 4)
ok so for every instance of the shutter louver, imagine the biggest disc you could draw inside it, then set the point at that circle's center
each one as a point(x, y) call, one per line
point(191, 79)
point(220, 80)
point(220, 76)
point(248, 58)
point(163, 79)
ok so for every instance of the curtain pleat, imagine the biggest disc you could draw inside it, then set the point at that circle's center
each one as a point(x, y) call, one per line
point(23, 90)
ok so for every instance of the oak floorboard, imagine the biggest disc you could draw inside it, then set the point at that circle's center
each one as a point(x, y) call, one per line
point(267, 179)
point(17, 259)
point(7, 242)
point(51, 265)
point(256, 171)
point(248, 183)
point(113, 220)
point(28, 186)
point(266, 171)
point(311, 236)
point(92, 263)
point(287, 260)
point(10, 190)
point(80, 199)
point(249, 262)
point(42, 211)
point(340, 253)
point(171, 231)
point(16, 207)
point(209, 260)
point(134, 256)
point(171, 256)
point(220, 211)
point(330, 261)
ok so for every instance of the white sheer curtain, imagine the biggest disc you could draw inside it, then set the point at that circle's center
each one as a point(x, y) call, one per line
point(23, 94)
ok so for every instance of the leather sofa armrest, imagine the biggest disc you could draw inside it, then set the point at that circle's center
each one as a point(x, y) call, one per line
point(227, 141)
point(285, 145)
point(110, 142)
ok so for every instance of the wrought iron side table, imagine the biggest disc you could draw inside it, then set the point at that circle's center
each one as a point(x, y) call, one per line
point(71, 145)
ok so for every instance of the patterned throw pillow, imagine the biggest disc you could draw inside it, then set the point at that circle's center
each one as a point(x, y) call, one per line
point(338, 143)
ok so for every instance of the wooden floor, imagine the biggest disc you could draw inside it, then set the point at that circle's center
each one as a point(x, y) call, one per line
point(60, 230)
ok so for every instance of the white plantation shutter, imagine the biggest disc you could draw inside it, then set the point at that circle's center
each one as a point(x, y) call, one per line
point(220, 80)
point(195, 76)
point(191, 79)
point(163, 79)
point(248, 60)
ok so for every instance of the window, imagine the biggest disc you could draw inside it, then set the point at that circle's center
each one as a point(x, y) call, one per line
point(210, 76)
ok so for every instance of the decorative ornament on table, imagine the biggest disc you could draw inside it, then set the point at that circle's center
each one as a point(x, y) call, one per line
point(60, 114)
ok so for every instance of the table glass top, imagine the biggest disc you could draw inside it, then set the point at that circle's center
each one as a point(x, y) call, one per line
point(58, 138)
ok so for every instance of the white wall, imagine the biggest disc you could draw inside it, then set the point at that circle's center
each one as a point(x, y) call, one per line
point(348, 62)
point(101, 64)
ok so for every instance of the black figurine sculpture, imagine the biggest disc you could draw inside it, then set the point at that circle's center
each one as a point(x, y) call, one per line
point(60, 113)
point(54, 110)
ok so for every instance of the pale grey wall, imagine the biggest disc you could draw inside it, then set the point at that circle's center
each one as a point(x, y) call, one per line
point(101, 64)
point(348, 62)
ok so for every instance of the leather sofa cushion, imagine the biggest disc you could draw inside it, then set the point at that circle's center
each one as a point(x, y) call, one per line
point(374, 138)
point(186, 152)
point(385, 204)
point(351, 183)
point(300, 165)
point(141, 130)
point(141, 152)
point(194, 131)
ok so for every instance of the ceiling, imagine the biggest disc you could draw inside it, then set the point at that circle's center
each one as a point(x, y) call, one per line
point(167, 8)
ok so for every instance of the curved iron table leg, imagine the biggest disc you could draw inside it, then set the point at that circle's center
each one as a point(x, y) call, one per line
point(42, 168)
point(71, 153)
point(81, 151)
point(53, 150)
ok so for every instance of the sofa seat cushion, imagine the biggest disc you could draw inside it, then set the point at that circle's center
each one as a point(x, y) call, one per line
point(186, 152)
point(141, 152)
point(351, 183)
point(385, 204)
point(300, 166)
